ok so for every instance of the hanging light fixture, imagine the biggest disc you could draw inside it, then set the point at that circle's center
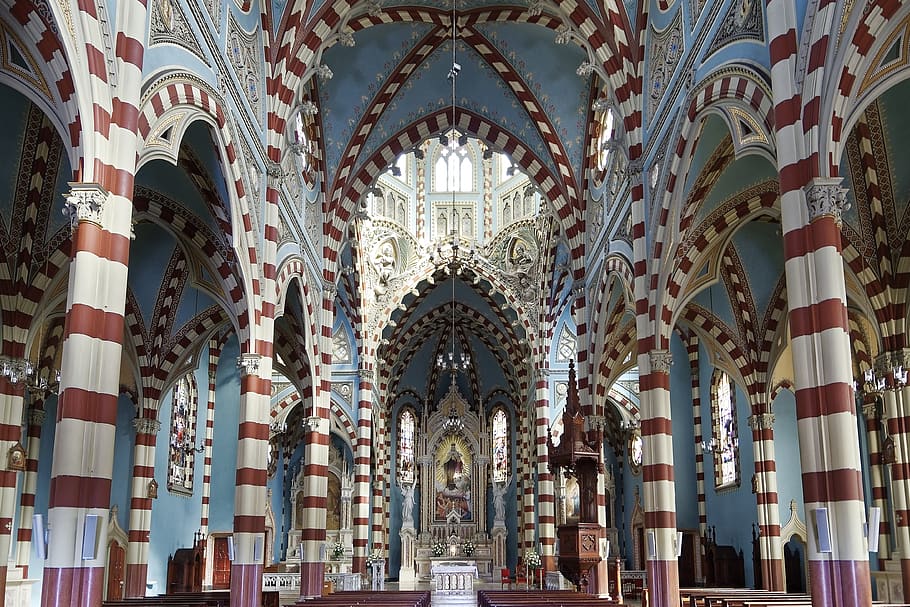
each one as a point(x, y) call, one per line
point(462, 361)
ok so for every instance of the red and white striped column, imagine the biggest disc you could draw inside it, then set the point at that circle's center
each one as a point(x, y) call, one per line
point(137, 550)
point(692, 352)
point(361, 505)
point(12, 401)
point(810, 219)
point(772, 556)
point(250, 490)
point(659, 488)
point(83, 459)
point(546, 489)
point(872, 414)
point(316, 458)
point(377, 485)
point(898, 425)
point(214, 356)
point(36, 417)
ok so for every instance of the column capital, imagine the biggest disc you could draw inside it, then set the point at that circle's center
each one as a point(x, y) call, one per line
point(761, 421)
point(329, 287)
point(84, 202)
point(248, 364)
point(145, 425)
point(660, 361)
point(366, 373)
point(635, 169)
point(36, 417)
point(311, 423)
point(870, 410)
point(826, 197)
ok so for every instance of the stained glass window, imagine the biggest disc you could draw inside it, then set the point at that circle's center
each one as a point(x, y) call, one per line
point(453, 170)
point(726, 441)
point(604, 133)
point(500, 446)
point(406, 435)
point(182, 437)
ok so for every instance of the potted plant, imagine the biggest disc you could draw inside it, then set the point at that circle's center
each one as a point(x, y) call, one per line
point(532, 559)
point(438, 548)
point(337, 551)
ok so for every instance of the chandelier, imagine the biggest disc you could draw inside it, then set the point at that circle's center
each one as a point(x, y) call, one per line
point(462, 361)
point(25, 372)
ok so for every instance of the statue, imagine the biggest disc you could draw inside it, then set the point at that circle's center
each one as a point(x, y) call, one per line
point(407, 503)
point(499, 506)
point(453, 468)
point(384, 262)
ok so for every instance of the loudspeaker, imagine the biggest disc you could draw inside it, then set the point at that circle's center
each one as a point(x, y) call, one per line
point(875, 519)
point(230, 542)
point(652, 544)
point(257, 549)
point(39, 538)
point(90, 536)
point(822, 530)
point(679, 536)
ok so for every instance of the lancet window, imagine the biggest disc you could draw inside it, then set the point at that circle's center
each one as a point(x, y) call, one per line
point(183, 436)
point(500, 446)
point(726, 440)
point(407, 430)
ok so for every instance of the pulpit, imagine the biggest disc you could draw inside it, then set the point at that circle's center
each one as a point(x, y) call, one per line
point(579, 455)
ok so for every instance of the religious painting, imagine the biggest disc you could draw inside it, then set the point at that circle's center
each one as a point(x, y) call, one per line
point(453, 480)
point(333, 504)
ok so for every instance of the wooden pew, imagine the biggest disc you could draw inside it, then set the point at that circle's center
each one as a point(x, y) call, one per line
point(213, 598)
point(722, 597)
point(401, 598)
point(537, 598)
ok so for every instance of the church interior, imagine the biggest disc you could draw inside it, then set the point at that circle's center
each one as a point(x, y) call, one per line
point(306, 297)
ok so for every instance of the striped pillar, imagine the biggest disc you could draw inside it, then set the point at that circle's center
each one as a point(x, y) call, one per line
point(378, 488)
point(658, 487)
point(249, 491)
point(137, 550)
point(832, 481)
point(528, 507)
point(83, 458)
point(895, 397)
point(316, 458)
point(361, 499)
point(36, 416)
point(214, 356)
point(692, 352)
point(546, 496)
point(11, 404)
point(872, 415)
point(765, 488)
point(421, 191)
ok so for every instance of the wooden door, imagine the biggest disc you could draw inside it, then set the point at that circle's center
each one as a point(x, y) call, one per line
point(221, 566)
point(687, 558)
point(115, 559)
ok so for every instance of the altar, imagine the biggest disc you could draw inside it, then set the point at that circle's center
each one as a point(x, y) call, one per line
point(482, 561)
point(453, 577)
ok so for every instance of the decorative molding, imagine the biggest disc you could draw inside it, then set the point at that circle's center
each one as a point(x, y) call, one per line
point(85, 202)
point(244, 51)
point(329, 287)
point(666, 50)
point(743, 21)
point(660, 361)
point(826, 198)
point(36, 417)
point(169, 26)
point(248, 364)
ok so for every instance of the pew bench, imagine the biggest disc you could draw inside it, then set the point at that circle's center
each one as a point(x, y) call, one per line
point(535, 598)
point(212, 598)
point(401, 598)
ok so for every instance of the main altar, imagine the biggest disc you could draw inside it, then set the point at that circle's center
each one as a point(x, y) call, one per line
point(453, 460)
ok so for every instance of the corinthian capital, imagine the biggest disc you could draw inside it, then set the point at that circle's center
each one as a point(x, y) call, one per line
point(826, 197)
point(248, 364)
point(145, 425)
point(84, 202)
point(660, 361)
point(762, 421)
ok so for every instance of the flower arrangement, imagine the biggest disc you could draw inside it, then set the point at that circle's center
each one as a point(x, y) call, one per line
point(439, 548)
point(532, 559)
point(373, 558)
point(468, 548)
point(337, 551)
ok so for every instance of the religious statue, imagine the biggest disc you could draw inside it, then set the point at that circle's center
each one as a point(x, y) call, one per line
point(499, 506)
point(384, 262)
point(407, 502)
point(453, 468)
point(453, 490)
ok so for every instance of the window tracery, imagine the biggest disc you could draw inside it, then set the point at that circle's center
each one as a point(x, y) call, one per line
point(453, 170)
point(726, 440)
point(182, 436)
point(407, 432)
point(500, 446)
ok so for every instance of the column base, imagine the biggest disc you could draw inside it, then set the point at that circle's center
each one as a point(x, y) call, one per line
point(72, 587)
point(312, 577)
point(136, 577)
point(663, 583)
point(773, 575)
point(840, 583)
point(246, 585)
